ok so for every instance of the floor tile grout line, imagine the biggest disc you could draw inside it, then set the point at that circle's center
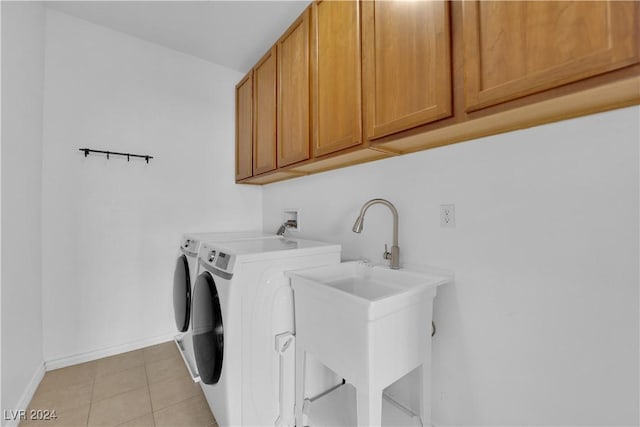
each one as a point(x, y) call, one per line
point(172, 357)
point(119, 370)
point(146, 373)
point(133, 419)
point(166, 380)
point(94, 377)
point(153, 410)
point(119, 393)
point(74, 406)
point(93, 386)
point(174, 403)
point(173, 375)
point(169, 355)
point(177, 403)
point(61, 387)
point(40, 390)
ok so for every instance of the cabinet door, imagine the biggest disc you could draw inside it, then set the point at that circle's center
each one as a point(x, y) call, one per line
point(513, 49)
point(264, 114)
point(406, 64)
point(335, 70)
point(293, 93)
point(244, 127)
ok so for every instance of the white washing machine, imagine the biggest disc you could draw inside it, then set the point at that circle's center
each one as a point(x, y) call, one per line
point(183, 281)
point(243, 327)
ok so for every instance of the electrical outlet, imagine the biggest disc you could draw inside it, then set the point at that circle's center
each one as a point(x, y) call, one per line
point(448, 216)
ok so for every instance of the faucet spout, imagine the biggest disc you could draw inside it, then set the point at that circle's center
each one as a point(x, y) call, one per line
point(394, 255)
point(285, 225)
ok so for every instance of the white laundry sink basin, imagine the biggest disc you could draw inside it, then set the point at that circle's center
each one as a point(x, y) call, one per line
point(368, 291)
point(369, 324)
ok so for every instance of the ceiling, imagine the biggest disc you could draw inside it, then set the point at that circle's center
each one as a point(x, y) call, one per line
point(234, 34)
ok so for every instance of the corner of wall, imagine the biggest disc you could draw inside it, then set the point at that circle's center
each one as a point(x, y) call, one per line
point(25, 398)
point(22, 26)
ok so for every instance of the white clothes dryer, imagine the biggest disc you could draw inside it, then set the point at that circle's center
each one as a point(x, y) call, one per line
point(243, 327)
point(183, 281)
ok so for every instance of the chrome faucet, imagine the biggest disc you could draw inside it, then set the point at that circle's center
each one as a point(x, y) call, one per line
point(287, 224)
point(394, 255)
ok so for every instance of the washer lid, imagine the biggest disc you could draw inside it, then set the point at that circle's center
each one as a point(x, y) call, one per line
point(263, 249)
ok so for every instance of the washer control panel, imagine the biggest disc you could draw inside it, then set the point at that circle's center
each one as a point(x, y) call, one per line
point(222, 262)
point(189, 245)
point(216, 258)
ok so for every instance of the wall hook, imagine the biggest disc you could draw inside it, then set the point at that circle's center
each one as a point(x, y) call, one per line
point(146, 157)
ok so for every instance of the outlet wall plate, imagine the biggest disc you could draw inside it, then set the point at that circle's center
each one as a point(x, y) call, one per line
point(448, 216)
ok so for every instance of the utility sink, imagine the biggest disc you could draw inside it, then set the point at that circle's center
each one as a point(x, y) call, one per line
point(366, 290)
point(369, 324)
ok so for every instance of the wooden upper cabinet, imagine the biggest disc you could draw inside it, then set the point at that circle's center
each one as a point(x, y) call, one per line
point(513, 49)
point(406, 65)
point(335, 70)
point(358, 80)
point(244, 127)
point(264, 114)
point(293, 93)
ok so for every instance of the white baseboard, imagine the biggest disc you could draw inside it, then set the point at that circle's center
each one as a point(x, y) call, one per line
point(27, 395)
point(74, 359)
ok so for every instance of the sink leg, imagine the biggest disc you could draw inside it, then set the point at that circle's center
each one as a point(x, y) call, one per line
point(425, 401)
point(300, 356)
point(369, 408)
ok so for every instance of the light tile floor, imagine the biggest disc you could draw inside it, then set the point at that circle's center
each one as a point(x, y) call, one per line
point(146, 387)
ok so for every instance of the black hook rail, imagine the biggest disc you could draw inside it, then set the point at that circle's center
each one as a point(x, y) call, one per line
point(115, 153)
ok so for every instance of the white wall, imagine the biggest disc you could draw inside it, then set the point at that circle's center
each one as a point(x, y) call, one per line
point(541, 324)
point(111, 229)
point(22, 91)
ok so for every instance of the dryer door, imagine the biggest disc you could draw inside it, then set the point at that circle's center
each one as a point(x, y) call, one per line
point(208, 334)
point(182, 294)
